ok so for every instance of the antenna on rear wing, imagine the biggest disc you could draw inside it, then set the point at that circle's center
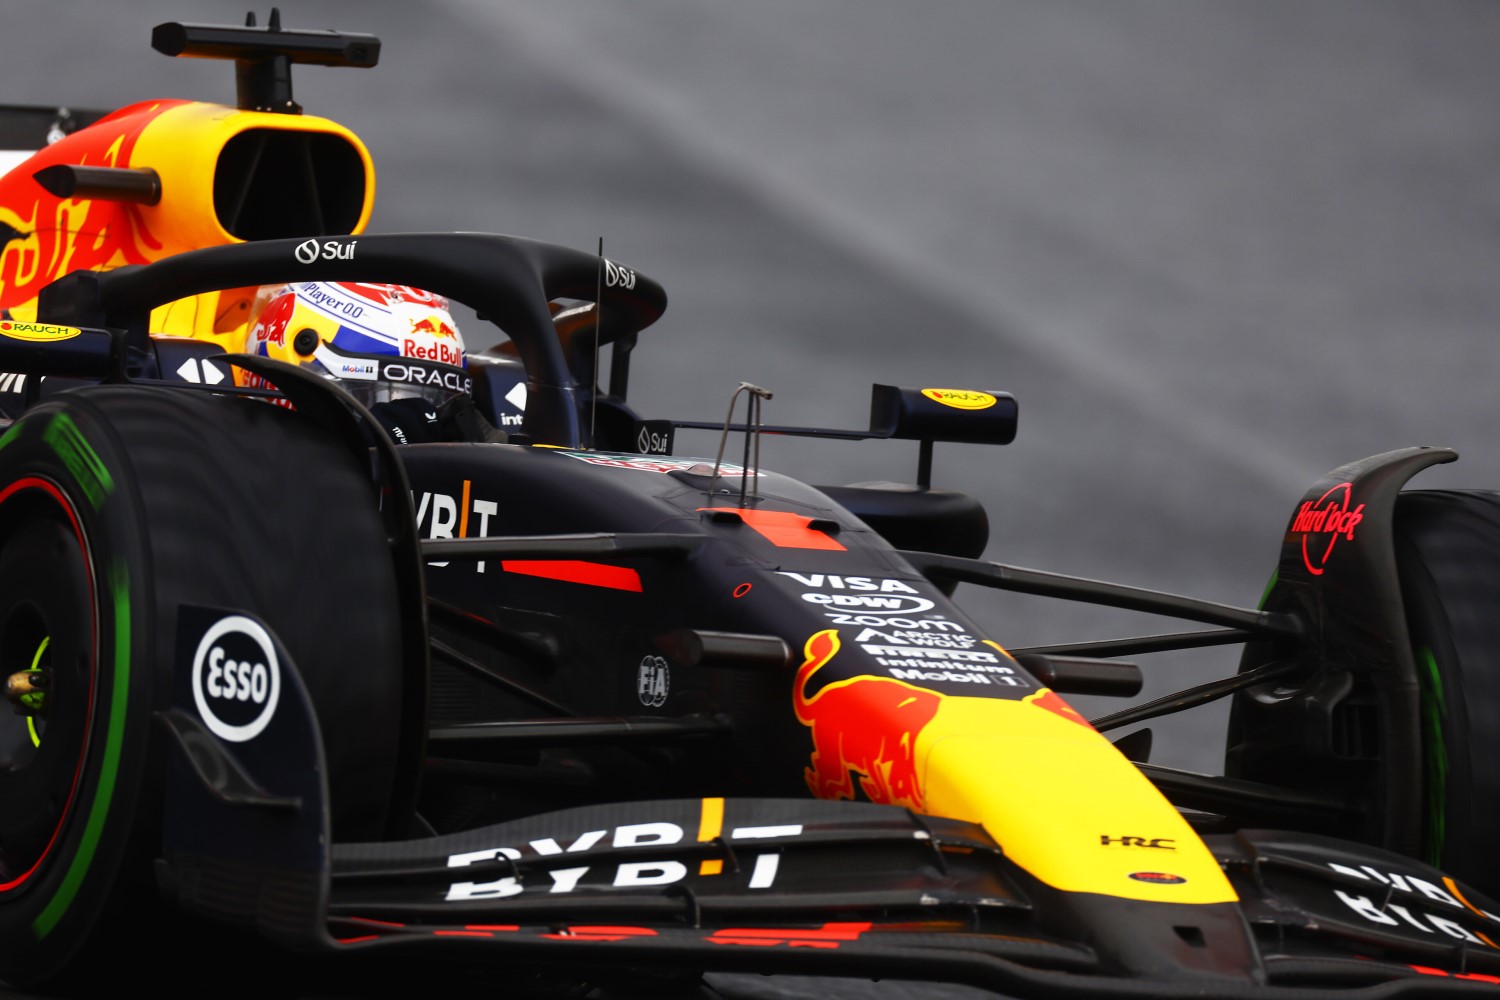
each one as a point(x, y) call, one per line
point(598, 312)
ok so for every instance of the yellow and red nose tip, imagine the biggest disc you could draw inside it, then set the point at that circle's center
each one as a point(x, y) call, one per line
point(1059, 799)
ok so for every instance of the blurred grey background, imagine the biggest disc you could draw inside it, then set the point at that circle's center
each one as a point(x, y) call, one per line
point(1214, 249)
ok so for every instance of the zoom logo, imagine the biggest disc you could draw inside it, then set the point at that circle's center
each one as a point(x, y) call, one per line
point(310, 250)
point(236, 679)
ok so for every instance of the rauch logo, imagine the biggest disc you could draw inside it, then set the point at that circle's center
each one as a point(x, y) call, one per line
point(1322, 522)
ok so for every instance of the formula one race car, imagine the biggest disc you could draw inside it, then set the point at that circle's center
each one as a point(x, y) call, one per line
point(473, 670)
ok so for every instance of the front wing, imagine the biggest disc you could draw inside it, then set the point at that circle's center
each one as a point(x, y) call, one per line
point(796, 886)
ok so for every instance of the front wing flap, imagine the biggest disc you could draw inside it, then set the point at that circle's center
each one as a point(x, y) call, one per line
point(1326, 907)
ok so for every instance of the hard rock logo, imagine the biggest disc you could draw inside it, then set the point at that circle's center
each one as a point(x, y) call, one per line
point(1322, 522)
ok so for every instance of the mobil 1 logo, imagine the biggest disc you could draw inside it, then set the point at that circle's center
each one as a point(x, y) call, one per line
point(235, 675)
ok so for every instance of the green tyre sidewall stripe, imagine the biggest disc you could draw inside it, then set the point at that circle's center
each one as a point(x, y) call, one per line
point(114, 737)
point(1434, 713)
point(45, 922)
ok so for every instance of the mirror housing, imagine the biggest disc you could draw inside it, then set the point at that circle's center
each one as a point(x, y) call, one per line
point(970, 416)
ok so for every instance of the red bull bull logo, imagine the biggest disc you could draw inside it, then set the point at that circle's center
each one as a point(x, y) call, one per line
point(434, 326)
point(433, 336)
point(270, 328)
point(51, 235)
point(864, 725)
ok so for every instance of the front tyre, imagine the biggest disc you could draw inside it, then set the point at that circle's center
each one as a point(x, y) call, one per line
point(119, 506)
point(1448, 557)
point(73, 742)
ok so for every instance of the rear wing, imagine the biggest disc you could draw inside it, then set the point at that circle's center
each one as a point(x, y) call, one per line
point(970, 416)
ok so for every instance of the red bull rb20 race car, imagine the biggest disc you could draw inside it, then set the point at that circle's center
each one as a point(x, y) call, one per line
point(358, 646)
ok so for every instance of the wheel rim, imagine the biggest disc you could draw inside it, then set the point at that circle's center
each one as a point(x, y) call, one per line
point(36, 722)
point(27, 692)
point(48, 629)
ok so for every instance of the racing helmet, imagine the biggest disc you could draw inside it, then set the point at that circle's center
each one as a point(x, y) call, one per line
point(386, 344)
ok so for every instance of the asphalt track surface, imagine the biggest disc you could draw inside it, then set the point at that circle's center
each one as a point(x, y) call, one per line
point(1214, 249)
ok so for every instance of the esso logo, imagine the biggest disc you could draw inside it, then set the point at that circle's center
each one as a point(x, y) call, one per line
point(236, 679)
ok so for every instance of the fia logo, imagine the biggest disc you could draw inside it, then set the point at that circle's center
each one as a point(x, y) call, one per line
point(652, 681)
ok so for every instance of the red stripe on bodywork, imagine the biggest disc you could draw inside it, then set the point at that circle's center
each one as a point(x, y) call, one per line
point(591, 574)
point(783, 529)
point(1473, 977)
point(827, 936)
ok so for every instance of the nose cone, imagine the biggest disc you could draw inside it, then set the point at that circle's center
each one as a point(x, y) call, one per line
point(1062, 802)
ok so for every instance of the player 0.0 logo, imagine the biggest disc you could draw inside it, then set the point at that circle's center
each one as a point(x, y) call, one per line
point(236, 679)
